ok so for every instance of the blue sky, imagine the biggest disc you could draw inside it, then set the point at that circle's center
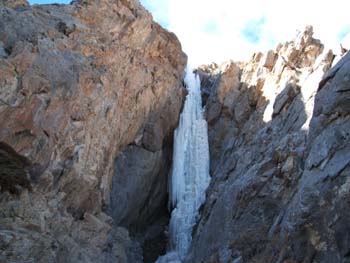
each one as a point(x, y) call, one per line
point(216, 31)
point(253, 29)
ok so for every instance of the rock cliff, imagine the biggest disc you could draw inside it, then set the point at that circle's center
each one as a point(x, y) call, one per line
point(279, 145)
point(90, 95)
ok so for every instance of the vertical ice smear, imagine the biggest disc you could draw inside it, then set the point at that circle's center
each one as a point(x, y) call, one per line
point(190, 172)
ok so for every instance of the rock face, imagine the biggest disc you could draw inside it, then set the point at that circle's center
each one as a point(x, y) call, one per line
point(280, 155)
point(90, 94)
point(82, 87)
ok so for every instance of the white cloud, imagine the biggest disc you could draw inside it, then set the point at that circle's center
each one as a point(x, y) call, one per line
point(219, 30)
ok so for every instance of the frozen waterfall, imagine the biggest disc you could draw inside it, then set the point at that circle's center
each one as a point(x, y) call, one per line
point(190, 172)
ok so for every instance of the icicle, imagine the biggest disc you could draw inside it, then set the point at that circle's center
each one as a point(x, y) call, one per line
point(190, 172)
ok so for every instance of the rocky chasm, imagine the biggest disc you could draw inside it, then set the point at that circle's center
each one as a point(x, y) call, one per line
point(90, 96)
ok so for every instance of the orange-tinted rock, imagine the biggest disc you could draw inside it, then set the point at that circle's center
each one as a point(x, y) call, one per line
point(78, 83)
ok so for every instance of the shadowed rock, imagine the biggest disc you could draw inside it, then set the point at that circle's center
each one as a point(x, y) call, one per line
point(280, 187)
point(13, 174)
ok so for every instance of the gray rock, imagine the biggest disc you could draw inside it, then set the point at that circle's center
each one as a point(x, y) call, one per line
point(285, 98)
point(137, 171)
point(3, 53)
point(139, 197)
point(280, 186)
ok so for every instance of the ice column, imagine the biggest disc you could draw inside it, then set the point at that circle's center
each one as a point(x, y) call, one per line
point(190, 171)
